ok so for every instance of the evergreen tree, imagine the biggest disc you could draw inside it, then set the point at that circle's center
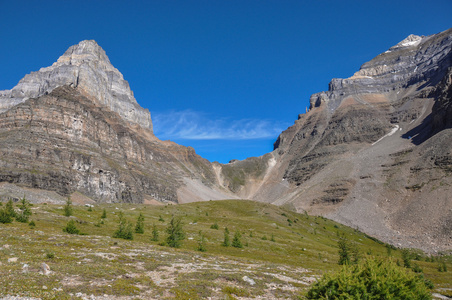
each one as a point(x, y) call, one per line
point(442, 267)
point(9, 208)
point(139, 228)
point(104, 214)
point(124, 230)
point(406, 257)
point(345, 250)
point(25, 206)
point(5, 216)
point(201, 243)
point(68, 208)
point(175, 233)
point(226, 242)
point(155, 234)
point(25, 211)
point(71, 228)
point(236, 242)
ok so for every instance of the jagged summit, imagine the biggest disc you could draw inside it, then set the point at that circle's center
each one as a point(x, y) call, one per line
point(411, 40)
point(86, 67)
point(90, 49)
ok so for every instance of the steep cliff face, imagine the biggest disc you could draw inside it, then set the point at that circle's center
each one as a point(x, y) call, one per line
point(73, 127)
point(87, 68)
point(64, 142)
point(374, 151)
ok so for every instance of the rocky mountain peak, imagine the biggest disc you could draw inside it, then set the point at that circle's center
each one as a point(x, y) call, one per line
point(416, 60)
point(87, 50)
point(411, 40)
point(86, 67)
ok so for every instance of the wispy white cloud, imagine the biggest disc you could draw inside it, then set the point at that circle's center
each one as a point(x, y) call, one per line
point(193, 125)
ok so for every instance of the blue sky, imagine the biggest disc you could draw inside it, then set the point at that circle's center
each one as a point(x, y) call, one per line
point(225, 77)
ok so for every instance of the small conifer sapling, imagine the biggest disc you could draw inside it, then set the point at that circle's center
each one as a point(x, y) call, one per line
point(155, 233)
point(175, 233)
point(139, 228)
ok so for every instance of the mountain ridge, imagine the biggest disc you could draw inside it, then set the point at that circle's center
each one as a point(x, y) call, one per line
point(371, 149)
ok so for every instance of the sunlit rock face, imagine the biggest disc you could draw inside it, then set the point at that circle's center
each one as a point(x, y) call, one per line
point(75, 128)
point(87, 68)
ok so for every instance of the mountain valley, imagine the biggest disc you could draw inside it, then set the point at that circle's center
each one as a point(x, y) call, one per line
point(374, 152)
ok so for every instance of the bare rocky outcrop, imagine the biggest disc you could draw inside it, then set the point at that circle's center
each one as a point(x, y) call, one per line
point(87, 68)
point(75, 128)
point(66, 143)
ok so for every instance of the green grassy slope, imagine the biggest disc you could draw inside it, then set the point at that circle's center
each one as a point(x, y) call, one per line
point(303, 247)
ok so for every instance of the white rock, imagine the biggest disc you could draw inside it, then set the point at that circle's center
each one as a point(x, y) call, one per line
point(45, 269)
point(25, 268)
point(249, 280)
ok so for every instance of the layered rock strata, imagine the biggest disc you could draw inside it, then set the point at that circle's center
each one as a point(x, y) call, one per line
point(87, 68)
point(72, 128)
point(64, 142)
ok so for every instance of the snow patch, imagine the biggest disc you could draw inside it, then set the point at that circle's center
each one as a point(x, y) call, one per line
point(409, 43)
point(411, 40)
point(393, 130)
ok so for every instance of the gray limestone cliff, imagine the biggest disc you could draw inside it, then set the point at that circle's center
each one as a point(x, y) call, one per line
point(87, 68)
point(75, 128)
point(414, 61)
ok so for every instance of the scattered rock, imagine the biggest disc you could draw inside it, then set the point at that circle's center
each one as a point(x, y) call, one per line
point(249, 280)
point(439, 296)
point(25, 268)
point(45, 269)
point(12, 259)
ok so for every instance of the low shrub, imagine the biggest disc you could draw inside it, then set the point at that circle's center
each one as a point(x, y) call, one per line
point(71, 228)
point(5, 217)
point(373, 279)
